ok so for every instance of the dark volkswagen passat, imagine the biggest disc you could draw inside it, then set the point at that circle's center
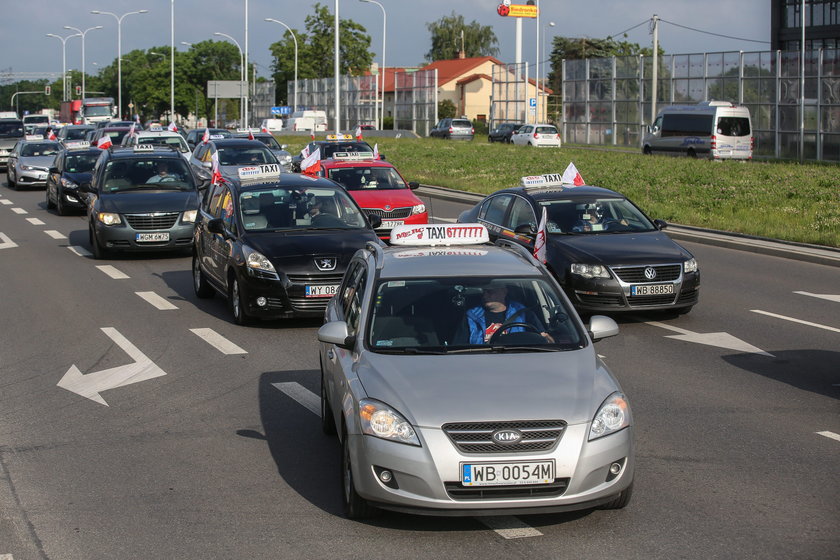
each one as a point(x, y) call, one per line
point(605, 252)
point(277, 248)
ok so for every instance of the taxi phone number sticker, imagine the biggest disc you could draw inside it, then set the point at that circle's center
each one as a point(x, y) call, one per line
point(321, 291)
point(497, 474)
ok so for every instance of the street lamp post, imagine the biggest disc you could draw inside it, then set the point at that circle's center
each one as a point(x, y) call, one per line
point(119, 50)
point(83, 34)
point(241, 72)
point(296, 58)
point(382, 70)
point(172, 63)
point(63, 62)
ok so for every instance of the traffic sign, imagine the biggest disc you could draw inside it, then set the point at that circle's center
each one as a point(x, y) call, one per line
point(281, 110)
point(532, 102)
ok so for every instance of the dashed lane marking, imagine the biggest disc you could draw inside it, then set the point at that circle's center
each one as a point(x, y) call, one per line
point(113, 272)
point(55, 234)
point(157, 301)
point(81, 251)
point(218, 342)
point(19, 211)
point(302, 395)
point(35, 221)
point(792, 320)
point(7, 202)
point(830, 435)
point(510, 527)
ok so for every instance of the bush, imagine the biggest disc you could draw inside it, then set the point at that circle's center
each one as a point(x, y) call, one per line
point(480, 127)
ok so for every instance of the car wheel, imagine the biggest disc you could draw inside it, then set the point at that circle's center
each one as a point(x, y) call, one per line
point(355, 507)
point(59, 204)
point(9, 180)
point(621, 500)
point(202, 287)
point(647, 151)
point(240, 317)
point(691, 153)
point(50, 203)
point(99, 252)
point(327, 419)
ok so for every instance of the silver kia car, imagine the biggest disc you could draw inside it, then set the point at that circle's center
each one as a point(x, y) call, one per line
point(461, 381)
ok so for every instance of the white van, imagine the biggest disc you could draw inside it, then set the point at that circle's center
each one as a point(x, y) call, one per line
point(712, 129)
point(272, 125)
point(307, 120)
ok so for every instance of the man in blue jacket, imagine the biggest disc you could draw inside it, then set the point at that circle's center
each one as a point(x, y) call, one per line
point(484, 320)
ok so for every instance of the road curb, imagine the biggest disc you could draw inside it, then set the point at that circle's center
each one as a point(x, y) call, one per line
point(818, 254)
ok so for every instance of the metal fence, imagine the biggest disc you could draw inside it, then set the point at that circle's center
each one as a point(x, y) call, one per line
point(415, 101)
point(607, 100)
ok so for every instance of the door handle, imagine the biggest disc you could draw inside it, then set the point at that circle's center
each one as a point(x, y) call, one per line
point(331, 354)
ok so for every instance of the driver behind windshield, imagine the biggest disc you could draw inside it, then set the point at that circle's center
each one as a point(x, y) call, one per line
point(496, 309)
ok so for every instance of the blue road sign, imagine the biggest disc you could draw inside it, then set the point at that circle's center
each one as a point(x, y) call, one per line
point(282, 110)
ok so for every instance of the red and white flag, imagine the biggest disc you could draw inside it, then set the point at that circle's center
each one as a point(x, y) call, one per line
point(217, 175)
point(51, 135)
point(131, 130)
point(359, 132)
point(376, 151)
point(173, 127)
point(304, 153)
point(104, 143)
point(539, 240)
point(572, 177)
point(251, 134)
point(206, 136)
point(311, 165)
point(264, 129)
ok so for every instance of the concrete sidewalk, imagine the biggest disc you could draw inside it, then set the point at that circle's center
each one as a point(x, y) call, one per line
point(798, 251)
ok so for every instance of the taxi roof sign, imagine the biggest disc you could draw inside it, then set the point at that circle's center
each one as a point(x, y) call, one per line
point(259, 172)
point(431, 235)
point(340, 137)
point(547, 180)
point(144, 148)
point(352, 156)
point(77, 145)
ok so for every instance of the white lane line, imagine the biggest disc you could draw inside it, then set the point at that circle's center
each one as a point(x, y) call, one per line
point(218, 342)
point(55, 234)
point(19, 211)
point(157, 301)
point(302, 395)
point(829, 297)
point(81, 251)
point(6, 557)
point(792, 320)
point(6, 201)
point(830, 435)
point(510, 527)
point(35, 221)
point(113, 272)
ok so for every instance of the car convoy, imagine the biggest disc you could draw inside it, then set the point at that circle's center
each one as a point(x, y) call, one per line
point(423, 323)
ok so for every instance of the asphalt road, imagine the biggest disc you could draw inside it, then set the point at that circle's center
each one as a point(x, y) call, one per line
point(210, 447)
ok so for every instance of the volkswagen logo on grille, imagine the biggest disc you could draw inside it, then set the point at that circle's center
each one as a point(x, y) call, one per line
point(325, 264)
point(507, 437)
point(650, 273)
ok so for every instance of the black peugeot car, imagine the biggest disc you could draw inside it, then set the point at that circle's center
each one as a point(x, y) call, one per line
point(277, 248)
point(73, 166)
point(605, 252)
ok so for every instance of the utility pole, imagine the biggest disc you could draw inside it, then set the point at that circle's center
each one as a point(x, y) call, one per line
point(655, 74)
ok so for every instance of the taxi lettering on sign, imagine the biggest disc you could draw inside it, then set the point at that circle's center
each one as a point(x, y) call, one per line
point(269, 170)
point(431, 234)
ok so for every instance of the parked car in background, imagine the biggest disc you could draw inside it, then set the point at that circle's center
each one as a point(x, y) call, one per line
point(538, 135)
point(453, 129)
point(502, 132)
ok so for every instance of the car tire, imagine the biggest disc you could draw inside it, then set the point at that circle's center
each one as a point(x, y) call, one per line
point(99, 252)
point(9, 180)
point(240, 316)
point(59, 206)
point(620, 501)
point(202, 287)
point(355, 507)
point(50, 203)
point(327, 418)
point(647, 151)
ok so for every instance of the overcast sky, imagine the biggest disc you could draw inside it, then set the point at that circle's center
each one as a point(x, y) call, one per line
point(24, 48)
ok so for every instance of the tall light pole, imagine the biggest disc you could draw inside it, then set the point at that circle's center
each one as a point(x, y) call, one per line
point(172, 63)
point(382, 70)
point(83, 34)
point(63, 62)
point(337, 77)
point(246, 99)
point(296, 57)
point(241, 73)
point(119, 50)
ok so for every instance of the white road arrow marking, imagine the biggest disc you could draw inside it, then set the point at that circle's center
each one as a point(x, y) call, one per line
point(6, 242)
point(830, 435)
point(792, 320)
point(91, 384)
point(719, 339)
point(829, 297)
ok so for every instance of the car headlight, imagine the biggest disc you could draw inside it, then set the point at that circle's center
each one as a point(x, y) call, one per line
point(257, 261)
point(418, 209)
point(614, 415)
point(590, 270)
point(68, 184)
point(108, 218)
point(287, 159)
point(189, 216)
point(690, 266)
point(380, 420)
point(26, 167)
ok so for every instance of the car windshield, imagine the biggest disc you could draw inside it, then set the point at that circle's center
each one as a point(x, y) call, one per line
point(13, 129)
point(367, 178)
point(98, 111)
point(39, 150)
point(80, 163)
point(178, 142)
point(305, 208)
point(327, 150)
point(457, 315)
point(75, 133)
point(245, 155)
point(147, 173)
point(594, 215)
point(115, 135)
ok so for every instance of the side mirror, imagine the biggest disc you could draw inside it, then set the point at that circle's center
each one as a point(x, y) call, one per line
point(53, 169)
point(216, 226)
point(207, 164)
point(660, 224)
point(335, 332)
point(413, 185)
point(601, 326)
point(375, 220)
point(85, 188)
point(527, 229)
point(382, 157)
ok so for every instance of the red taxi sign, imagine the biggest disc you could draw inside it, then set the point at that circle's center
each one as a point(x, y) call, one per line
point(430, 235)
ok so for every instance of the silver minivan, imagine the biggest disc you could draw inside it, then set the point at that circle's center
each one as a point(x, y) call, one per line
point(711, 129)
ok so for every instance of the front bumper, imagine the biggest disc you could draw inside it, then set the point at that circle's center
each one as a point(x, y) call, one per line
point(71, 198)
point(124, 237)
point(426, 480)
point(31, 177)
point(270, 296)
point(610, 295)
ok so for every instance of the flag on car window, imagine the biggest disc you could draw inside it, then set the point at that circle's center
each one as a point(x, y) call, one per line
point(51, 135)
point(264, 129)
point(359, 132)
point(539, 241)
point(206, 137)
point(173, 127)
point(251, 134)
point(571, 176)
point(312, 134)
point(217, 175)
point(131, 130)
point(312, 164)
point(376, 151)
point(104, 143)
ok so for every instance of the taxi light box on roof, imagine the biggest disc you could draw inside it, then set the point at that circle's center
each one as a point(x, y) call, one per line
point(435, 234)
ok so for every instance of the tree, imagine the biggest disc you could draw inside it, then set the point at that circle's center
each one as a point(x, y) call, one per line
point(315, 51)
point(450, 34)
point(446, 109)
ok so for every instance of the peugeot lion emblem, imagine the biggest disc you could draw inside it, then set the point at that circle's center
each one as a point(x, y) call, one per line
point(507, 437)
point(325, 263)
point(650, 273)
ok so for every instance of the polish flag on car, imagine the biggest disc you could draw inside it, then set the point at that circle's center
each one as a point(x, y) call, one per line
point(51, 135)
point(312, 164)
point(217, 175)
point(206, 137)
point(312, 134)
point(539, 241)
point(131, 130)
point(264, 129)
point(571, 176)
point(172, 127)
point(251, 134)
point(359, 132)
point(376, 151)
point(104, 143)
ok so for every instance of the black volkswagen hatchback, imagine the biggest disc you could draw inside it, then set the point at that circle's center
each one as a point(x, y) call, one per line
point(277, 248)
